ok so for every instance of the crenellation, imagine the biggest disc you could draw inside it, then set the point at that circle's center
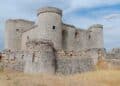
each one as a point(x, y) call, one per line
point(49, 9)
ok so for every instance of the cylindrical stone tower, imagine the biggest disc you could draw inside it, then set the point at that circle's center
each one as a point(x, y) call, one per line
point(95, 36)
point(10, 36)
point(50, 25)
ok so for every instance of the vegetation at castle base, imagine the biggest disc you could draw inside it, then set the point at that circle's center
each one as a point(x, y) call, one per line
point(96, 78)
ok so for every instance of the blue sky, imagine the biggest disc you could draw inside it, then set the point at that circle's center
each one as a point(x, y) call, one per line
point(81, 13)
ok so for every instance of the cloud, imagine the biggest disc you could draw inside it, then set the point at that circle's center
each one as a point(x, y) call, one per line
point(78, 4)
point(112, 16)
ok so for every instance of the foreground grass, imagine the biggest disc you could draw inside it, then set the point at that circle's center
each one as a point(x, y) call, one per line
point(97, 78)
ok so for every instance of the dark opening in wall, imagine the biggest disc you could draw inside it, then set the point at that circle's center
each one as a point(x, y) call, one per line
point(64, 39)
point(89, 37)
point(33, 57)
point(54, 27)
point(27, 37)
point(22, 57)
point(76, 34)
point(17, 30)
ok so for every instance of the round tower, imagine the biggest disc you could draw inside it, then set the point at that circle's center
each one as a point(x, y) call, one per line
point(10, 35)
point(95, 36)
point(49, 23)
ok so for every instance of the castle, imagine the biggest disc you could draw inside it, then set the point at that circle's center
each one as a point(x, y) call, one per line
point(50, 46)
point(49, 26)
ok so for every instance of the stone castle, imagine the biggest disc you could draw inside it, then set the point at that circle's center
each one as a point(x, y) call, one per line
point(51, 46)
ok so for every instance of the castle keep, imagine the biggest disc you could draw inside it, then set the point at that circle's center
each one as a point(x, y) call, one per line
point(49, 26)
point(50, 46)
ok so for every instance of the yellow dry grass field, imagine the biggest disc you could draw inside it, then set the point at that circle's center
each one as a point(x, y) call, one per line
point(96, 78)
point(106, 75)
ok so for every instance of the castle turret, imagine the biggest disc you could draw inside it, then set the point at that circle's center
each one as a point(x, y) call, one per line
point(49, 23)
point(95, 36)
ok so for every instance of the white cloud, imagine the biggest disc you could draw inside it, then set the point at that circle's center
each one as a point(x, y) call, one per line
point(112, 16)
point(78, 4)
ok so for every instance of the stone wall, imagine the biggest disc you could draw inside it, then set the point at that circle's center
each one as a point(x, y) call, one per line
point(13, 32)
point(77, 39)
point(113, 54)
point(74, 65)
point(14, 60)
point(41, 57)
point(70, 62)
point(49, 26)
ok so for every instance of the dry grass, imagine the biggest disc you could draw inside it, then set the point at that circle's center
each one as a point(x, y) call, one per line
point(102, 77)
point(97, 78)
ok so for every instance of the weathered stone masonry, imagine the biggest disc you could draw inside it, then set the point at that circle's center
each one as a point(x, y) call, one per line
point(49, 26)
point(50, 46)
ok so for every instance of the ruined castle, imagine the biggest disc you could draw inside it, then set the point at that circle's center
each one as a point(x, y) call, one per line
point(49, 26)
point(50, 46)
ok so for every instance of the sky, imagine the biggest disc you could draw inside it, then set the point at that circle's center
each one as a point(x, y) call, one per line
point(81, 13)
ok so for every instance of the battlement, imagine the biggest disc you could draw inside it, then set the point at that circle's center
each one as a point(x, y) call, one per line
point(49, 9)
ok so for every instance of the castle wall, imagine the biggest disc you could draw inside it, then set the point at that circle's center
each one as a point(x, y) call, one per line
point(113, 54)
point(13, 33)
point(78, 39)
point(74, 65)
point(14, 61)
point(75, 62)
point(68, 37)
point(29, 35)
point(41, 58)
point(73, 38)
